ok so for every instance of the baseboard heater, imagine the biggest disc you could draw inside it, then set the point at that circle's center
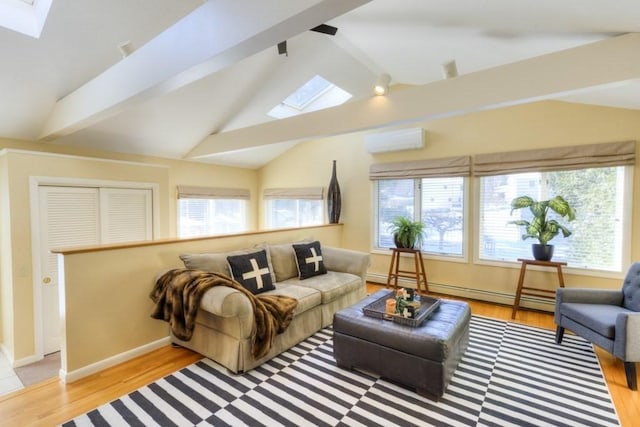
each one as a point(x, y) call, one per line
point(472, 293)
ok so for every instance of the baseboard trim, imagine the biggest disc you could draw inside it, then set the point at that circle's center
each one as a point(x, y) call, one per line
point(69, 377)
point(526, 301)
point(21, 362)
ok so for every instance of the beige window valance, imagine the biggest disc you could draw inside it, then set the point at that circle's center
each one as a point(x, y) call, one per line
point(308, 193)
point(559, 158)
point(428, 168)
point(193, 192)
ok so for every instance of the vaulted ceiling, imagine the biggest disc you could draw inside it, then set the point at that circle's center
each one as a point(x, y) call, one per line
point(203, 75)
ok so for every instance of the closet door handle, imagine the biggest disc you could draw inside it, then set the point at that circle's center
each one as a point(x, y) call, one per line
point(46, 280)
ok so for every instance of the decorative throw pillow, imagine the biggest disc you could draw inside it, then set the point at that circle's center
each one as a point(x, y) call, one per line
point(309, 260)
point(252, 271)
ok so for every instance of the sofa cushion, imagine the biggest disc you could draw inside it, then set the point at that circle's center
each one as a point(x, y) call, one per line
point(252, 271)
point(600, 318)
point(283, 259)
point(212, 262)
point(309, 260)
point(216, 262)
point(307, 297)
point(332, 285)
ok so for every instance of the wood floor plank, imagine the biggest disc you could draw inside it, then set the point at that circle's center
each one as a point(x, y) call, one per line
point(53, 402)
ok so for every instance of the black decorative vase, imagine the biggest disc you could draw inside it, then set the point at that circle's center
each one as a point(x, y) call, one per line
point(542, 252)
point(334, 201)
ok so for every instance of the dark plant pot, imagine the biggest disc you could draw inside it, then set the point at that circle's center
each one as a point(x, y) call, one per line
point(399, 244)
point(542, 252)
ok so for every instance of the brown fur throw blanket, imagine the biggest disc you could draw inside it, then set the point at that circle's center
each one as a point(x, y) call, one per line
point(178, 292)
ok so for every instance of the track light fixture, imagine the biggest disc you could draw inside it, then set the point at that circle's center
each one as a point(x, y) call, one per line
point(449, 69)
point(126, 48)
point(382, 85)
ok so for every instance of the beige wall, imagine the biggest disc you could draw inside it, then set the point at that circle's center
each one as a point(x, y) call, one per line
point(17, 166)
point(537, 125)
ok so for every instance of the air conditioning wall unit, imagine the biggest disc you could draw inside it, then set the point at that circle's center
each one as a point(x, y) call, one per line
point(397, 140)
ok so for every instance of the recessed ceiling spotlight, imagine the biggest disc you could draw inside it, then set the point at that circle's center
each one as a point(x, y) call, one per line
point(382, 85)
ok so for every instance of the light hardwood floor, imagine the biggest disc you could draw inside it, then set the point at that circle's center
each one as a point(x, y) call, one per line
point(52, 402)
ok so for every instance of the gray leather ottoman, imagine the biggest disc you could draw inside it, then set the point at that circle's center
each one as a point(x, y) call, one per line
point(423, 357)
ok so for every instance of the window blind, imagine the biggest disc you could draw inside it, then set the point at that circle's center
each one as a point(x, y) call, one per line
point(428, 168)
point(308, 193)
point(555, 159)
point(193, 192)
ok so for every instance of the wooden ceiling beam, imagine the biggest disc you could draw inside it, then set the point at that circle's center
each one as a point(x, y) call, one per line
point(215, 35)
point(610, 61)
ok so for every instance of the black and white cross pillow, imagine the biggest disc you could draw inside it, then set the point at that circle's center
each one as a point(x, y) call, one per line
point(309, 260)
point(252, 271)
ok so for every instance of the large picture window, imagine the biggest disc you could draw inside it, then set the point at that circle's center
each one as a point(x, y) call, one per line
point(595, 180)
point(597, 195)
point(206, 211)
point(437, 202)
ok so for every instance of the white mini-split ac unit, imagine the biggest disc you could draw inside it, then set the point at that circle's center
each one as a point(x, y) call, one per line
point(397, 140)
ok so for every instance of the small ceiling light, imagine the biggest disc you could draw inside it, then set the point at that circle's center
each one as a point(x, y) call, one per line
point(449, 69)
point(126, 48)
point(382, 85)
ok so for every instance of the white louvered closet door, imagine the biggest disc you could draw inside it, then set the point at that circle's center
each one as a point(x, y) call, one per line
point(84, 216)
point(69, 216)
point(126, 215)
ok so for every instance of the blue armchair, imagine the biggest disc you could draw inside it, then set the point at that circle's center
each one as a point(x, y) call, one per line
point(608, 318)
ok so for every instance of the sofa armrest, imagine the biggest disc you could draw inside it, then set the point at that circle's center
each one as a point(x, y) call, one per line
point(627, 342)
point(346, 261)
point(226, 302)
point(222, 301)
point(589, 296)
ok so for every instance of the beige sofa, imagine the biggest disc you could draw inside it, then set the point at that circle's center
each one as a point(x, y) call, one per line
point(225, 320)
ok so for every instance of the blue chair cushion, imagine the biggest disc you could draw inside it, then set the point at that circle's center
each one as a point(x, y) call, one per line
point(600, 318)
point(631, 288)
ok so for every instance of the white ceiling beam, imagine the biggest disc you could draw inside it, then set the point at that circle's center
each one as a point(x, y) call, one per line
point(215, 35)
point(560, 73)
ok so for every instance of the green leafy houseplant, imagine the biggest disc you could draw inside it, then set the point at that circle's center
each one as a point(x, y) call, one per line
point(540, 227)
point(406, 233)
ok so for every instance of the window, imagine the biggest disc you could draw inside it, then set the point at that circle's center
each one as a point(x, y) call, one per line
point(206, 211)
point(316, 94)
point(437, 202)
point(294, 207)
point(595, 179)
point(598, 196)
point(431, 190)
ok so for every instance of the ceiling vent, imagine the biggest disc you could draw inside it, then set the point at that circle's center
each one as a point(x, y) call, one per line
point(397, 140)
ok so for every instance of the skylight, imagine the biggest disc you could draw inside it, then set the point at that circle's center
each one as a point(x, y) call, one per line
point(316, 94)
point(24, 16)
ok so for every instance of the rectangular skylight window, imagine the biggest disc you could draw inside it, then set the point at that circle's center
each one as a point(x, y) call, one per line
point(316, 94)
point(308, 92)
point(24, 16)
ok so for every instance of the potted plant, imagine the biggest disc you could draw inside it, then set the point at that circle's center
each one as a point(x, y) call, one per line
point(541, 227)
point(406, 233)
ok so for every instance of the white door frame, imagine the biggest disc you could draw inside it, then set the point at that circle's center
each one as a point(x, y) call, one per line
point(36, 267)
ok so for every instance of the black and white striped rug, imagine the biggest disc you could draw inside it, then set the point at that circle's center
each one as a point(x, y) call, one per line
point(510, 375)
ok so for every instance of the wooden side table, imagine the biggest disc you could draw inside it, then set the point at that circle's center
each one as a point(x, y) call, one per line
point(523, 290)
point(419, 273)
